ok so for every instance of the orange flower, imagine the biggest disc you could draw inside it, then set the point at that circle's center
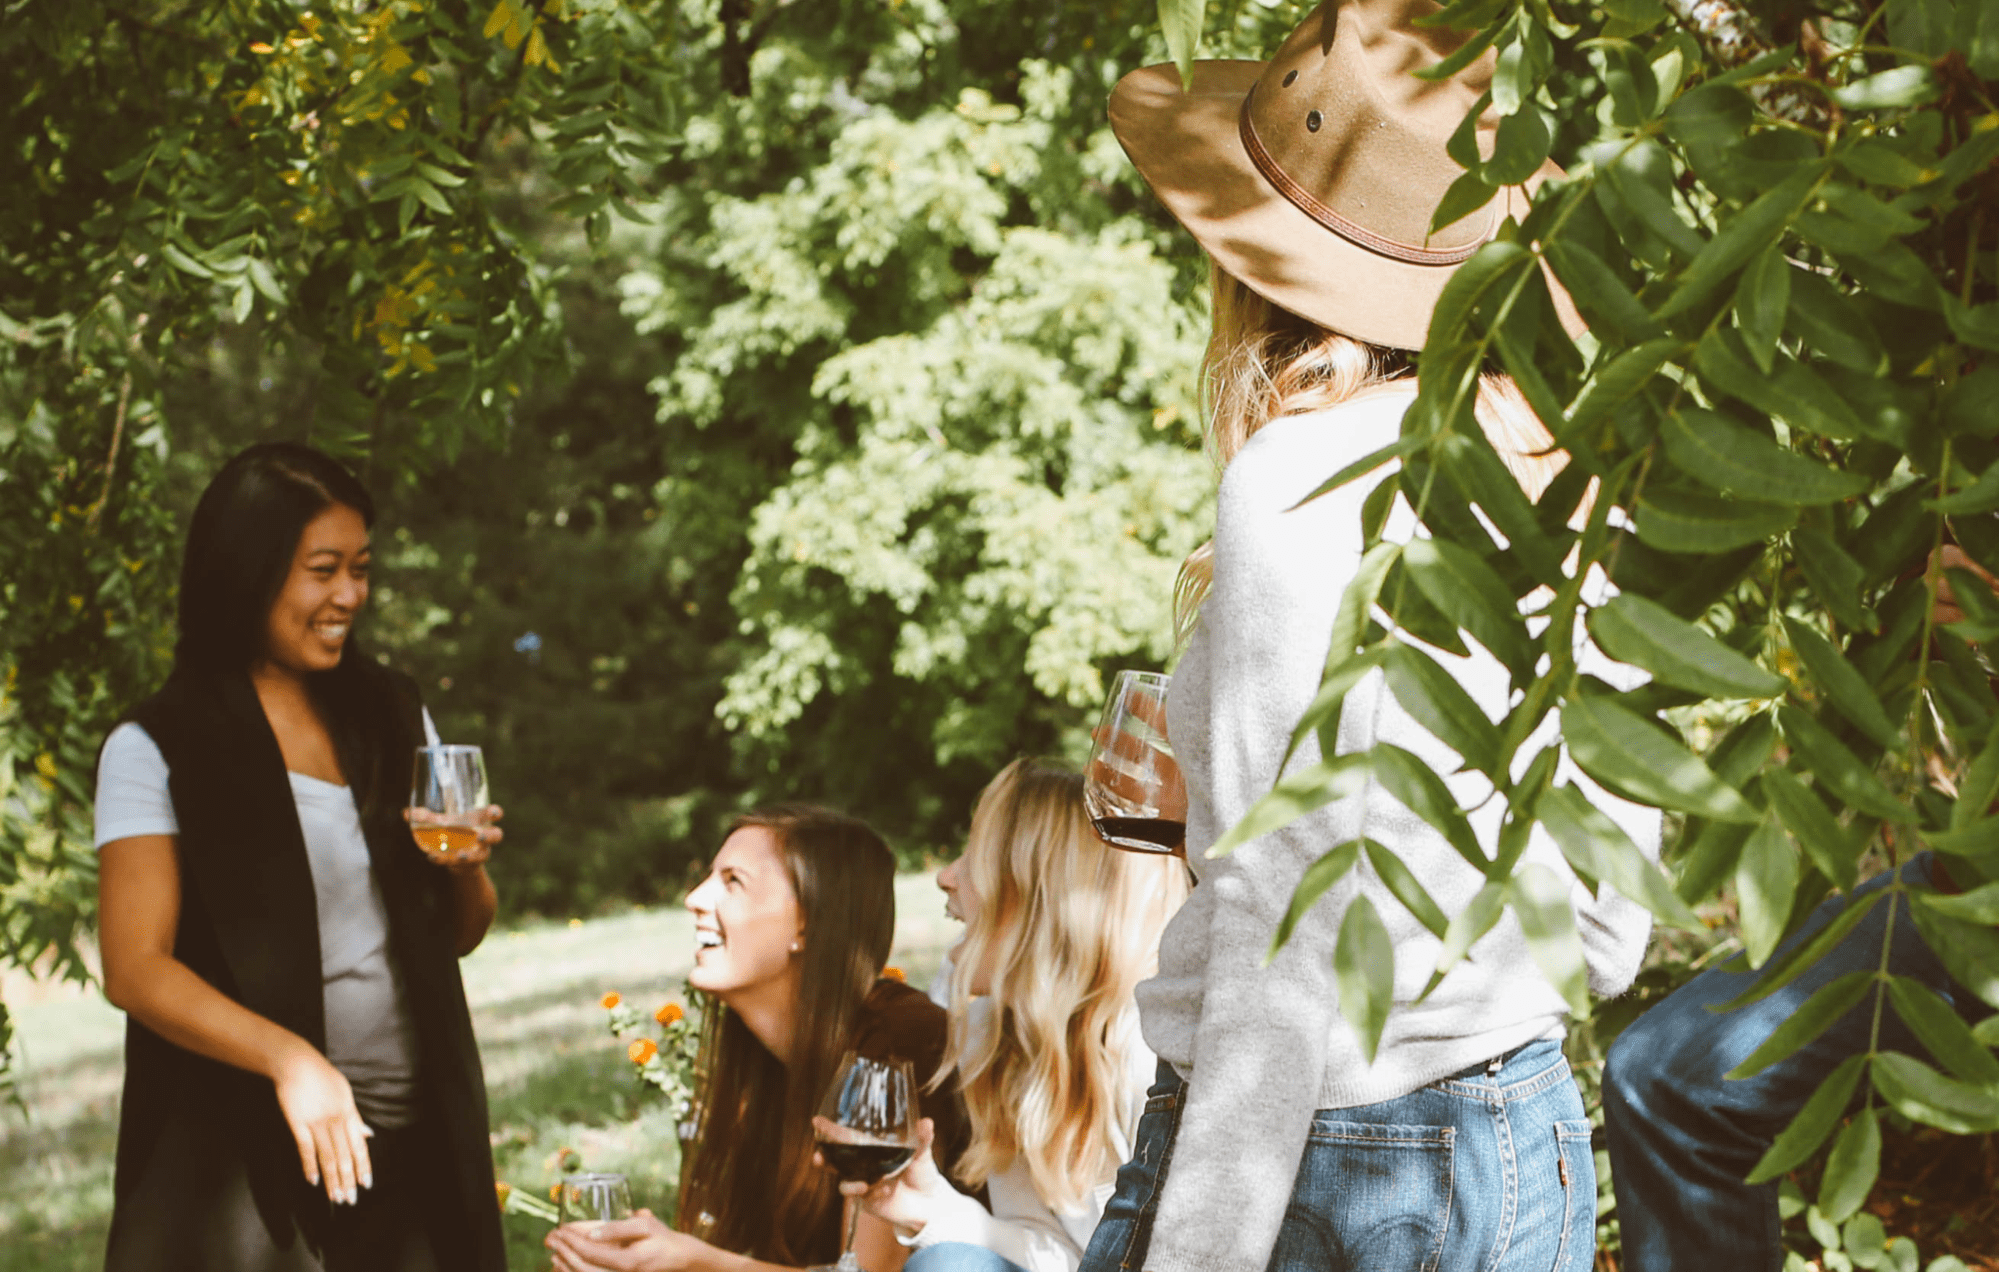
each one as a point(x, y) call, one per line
point(555, 1192)
point(894, 974)
point(642, 1050)
point(610, 1000)
point(669, 1014)
point(502, 1190)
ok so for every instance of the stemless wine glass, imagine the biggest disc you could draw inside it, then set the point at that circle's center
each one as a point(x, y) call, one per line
point(1132, 788)
point(594, 1198)
point(446, 799)
point(866, 1130)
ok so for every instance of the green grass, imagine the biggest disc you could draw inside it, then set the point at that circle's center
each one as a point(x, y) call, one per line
point(555, 1076)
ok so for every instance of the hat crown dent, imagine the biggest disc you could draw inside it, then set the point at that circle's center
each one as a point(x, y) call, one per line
point(1340, 112)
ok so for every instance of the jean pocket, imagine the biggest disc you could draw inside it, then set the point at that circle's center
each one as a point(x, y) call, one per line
point(1369, 1196)
point(1575, 1164)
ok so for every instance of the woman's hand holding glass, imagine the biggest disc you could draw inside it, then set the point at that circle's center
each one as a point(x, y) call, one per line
point(639, 1244)
point(318, 1106)
point(907, 1199)
point(449, 813)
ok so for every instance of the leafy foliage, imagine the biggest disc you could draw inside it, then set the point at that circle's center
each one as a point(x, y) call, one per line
point(1781, 414)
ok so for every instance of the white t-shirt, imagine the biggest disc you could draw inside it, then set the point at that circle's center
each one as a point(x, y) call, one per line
point(1021, 1227)
point(369, 1037)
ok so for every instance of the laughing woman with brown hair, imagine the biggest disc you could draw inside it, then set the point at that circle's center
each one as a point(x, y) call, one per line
point(792, 929)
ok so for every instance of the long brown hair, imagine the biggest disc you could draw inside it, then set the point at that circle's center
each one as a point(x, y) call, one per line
point(753, 1189)
point(1070, 927)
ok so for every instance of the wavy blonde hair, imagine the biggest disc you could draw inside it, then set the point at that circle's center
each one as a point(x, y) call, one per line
point(1070, 927)
point(1264, 362)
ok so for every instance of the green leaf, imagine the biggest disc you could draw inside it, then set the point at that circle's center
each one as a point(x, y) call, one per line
point(1891, 89)
point(1803, 955)
point(1838, 770)
point(184, 263)
point(1435, 699)
point(1876, 162)
point(1851, 1168)
point(1676, 522)
point(1824, 318)
point(1491, 267)
point(1792, 392)
point(1980, 905)
point(1813, 1017)
point(1936, 1023)
point(1322, 874)
point(1466, 53)
point(1361, 467)
point(1466, 195)
point(1741, 238)
point(1519, 148)
point(1631, 756)
point(1180, 23)
point(1798, 1141)
point(1618, 381)
point(1599, 850)
point(265, 281)
point(1646, 634)
point(1640, 178)
point(1461, 585)
point(1921, 1094)
point(1466, 927)
point(1809, 822)
point(1981, 495)
point(1541, 901)
point(1766, 882)
point(1331, 697)
point(1401, 882)
point(1417, 787)
point(1968, 951)
point(1979, 784)
point(1704, 867)
point(1835, 578)
point(1846, 687)
point(1350, 623)
point(1364, 970)
point(1293, 797)
point(1605, 302)
point(1762, 298)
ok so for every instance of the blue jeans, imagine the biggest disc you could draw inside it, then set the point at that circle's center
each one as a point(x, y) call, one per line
point(1682, 1137)
point(957, 1256)
point(1486, 1171)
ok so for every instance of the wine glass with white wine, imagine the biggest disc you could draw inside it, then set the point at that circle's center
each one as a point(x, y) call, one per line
point(448, 800)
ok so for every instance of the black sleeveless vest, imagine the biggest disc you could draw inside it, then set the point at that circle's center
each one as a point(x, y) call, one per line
point(190, 1127)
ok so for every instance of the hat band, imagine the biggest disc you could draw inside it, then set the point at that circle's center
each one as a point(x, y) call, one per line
point(1307, 203)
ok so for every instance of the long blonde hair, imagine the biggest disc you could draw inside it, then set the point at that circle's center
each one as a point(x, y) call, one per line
point(1070, 927)
point(1264, 362)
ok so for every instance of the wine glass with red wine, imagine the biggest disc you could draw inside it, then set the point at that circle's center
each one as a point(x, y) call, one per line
point(866, 1130)
point(1132, 788)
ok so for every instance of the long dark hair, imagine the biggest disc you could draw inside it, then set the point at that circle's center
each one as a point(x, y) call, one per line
point(754, 1180)
point(240, 548)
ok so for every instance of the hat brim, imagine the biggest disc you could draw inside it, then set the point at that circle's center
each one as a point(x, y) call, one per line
point(1188, 147)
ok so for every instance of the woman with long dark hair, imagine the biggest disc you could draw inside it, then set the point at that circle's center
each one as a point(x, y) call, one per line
point(302, 1088)
point(792, 929)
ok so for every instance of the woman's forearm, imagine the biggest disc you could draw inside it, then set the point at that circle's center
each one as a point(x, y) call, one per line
point(476, 902)
point(165, 995)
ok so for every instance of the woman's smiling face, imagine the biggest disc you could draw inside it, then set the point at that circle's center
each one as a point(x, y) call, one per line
point(308, 623)
point(748, 930)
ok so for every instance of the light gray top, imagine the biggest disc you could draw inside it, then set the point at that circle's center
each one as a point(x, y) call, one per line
point(1263, 1047)
point(369, 1036)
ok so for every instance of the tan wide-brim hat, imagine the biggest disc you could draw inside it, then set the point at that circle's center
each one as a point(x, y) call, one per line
point(1313, 177)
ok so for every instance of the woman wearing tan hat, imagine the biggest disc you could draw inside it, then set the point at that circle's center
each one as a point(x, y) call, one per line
point(1269, 1140)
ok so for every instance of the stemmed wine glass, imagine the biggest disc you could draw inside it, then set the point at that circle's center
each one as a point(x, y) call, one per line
point(1132, 786)
point(866, 1129)
point(595, 1198)
point(447, 800)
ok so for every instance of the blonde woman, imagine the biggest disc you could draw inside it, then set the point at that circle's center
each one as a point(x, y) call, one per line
point(1270, 1141)
point(1044, 1041)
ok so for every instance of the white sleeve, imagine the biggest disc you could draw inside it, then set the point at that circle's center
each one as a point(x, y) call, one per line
point(1024, 1242)
point(132, 795)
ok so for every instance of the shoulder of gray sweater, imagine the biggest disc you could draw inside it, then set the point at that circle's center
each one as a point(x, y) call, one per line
point(1289, 457)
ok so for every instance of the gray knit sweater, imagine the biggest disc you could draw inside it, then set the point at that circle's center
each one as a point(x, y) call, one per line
point(1263, 1047)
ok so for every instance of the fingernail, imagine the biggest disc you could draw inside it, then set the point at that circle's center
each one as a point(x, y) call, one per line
point(367, 1181)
